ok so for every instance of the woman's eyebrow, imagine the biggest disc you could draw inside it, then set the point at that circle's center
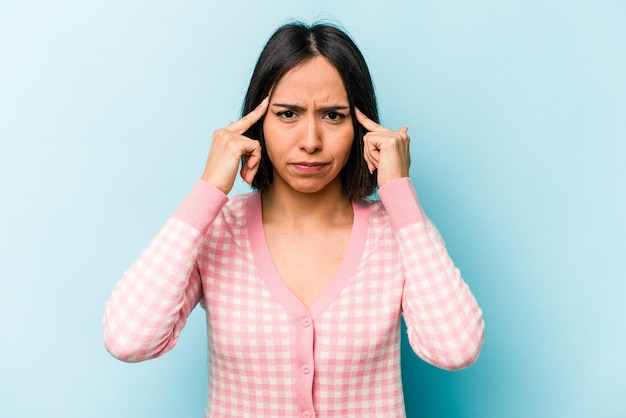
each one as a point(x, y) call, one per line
point(298, 108)
point(293, 107)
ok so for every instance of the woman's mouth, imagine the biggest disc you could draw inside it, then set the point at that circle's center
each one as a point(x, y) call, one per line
point(309, 166)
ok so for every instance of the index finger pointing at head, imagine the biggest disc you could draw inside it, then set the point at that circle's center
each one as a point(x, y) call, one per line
point(367, 123)
point(246, 122)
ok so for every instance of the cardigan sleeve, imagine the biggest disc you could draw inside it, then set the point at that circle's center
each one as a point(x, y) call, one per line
point(150, 304)
point(444, 322)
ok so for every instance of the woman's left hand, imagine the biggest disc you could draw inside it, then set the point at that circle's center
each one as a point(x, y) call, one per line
point(385, 150)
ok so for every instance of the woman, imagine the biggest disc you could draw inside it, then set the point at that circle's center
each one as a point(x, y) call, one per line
point(304, 280)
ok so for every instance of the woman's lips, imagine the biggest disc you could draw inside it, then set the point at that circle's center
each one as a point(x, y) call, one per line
point(309, 166)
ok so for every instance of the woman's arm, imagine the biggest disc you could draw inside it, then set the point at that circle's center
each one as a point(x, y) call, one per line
point(150, 304)
point(443, 319)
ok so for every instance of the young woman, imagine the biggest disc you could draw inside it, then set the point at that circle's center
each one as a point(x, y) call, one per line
point(304, 280)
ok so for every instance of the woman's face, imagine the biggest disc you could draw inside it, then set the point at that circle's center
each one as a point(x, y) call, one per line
point(308, 127)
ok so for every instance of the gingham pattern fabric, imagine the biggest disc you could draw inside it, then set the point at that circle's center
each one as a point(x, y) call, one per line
point(269, 356)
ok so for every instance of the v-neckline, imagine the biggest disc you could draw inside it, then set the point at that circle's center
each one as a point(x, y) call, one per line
point(269, 273)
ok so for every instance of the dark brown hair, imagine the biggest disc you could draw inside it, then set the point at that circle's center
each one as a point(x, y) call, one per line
point(291, 45)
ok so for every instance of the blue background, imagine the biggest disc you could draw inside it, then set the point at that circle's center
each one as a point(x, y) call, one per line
point(517, 116)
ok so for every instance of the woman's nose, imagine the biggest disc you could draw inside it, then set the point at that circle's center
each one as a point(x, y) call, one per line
point(311, 140)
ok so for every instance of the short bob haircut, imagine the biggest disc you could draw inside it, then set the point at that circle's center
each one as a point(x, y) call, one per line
point(294, 44)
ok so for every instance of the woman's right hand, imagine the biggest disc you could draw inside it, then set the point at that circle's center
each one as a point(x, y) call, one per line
point(228, 146)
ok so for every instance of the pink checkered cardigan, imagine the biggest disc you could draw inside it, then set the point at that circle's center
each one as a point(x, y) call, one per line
point(269, 356)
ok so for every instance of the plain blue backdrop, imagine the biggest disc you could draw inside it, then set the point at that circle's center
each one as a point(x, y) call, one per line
point(517, 113)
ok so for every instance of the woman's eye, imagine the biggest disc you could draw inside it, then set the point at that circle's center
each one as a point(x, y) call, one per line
point(335, 116)
point(287, 114)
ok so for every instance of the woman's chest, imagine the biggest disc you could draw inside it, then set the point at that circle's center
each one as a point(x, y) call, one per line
point(248, 322)
point(252, 311)
point(307, 263)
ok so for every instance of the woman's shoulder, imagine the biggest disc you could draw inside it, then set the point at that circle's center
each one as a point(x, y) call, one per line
point(241, 207)
point(375, 210)
point(238, 202)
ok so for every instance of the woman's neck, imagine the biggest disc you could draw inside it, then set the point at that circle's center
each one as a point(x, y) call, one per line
point(330, 206)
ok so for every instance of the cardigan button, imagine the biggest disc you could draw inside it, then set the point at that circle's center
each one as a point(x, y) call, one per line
point(306, 321)
point(306, 414)
point(306, 369)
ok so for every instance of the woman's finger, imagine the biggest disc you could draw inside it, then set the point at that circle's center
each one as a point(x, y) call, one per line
point(367, 123)
point(371, 153)
point(369, 160)
point(250, 164)
point(246, 122)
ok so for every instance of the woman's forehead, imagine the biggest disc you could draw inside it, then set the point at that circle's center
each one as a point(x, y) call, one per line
point(315, 79)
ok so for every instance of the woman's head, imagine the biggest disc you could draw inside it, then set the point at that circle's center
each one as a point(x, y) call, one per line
point(292, 45)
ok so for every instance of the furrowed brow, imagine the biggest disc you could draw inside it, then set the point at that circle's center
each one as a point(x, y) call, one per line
point(334, 108)
point(291, 107)
point(297, 108)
